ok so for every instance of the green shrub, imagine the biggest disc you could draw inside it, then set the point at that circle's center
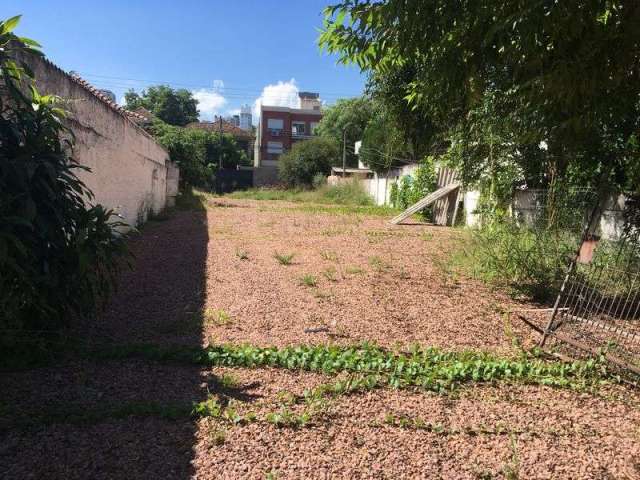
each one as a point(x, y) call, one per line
point(58, 253)
point(305, 160)
point(197, 152)
point(528, 260)
point(412, 188)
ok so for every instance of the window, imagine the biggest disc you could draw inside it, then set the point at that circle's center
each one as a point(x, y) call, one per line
point(314, 125)
point(274, 147)
point(298, 128)
point(275, 126)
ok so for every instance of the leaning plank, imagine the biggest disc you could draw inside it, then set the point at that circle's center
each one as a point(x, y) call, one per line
point(425, 202)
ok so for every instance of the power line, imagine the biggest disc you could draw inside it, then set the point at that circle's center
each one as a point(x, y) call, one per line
point(250, 90)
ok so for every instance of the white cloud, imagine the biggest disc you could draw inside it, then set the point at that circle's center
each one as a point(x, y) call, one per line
point(210, 101)
point(281, 94)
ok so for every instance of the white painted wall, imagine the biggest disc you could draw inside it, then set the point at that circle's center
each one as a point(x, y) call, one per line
point(129, 170)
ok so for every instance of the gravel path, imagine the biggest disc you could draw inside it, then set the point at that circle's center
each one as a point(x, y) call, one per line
point(211, 277)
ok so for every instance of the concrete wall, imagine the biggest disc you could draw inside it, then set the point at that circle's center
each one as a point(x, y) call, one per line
point(130, 172)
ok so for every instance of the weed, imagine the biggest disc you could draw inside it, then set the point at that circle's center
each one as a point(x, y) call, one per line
point(336, 232)
point(216, 317)
point(403, 274)
point(321, 294)
point(218, 437)
point(353, 270)
point(378, 264)
point(309, 280)
point(331, 274)
point(329, 256)
point(228, 380)
point(511, 471)
point(242, 254)
point(287, 418)
point(284, 258)
point(272, 475)
point(207, 408)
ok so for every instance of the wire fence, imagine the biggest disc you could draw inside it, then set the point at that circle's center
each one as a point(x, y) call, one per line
point(597, 307)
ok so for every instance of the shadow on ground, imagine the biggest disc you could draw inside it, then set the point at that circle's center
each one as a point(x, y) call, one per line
point(78, 418)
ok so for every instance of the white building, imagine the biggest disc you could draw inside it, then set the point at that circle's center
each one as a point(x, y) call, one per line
point(245, 117)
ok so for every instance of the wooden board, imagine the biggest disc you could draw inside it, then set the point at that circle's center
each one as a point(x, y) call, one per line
point(425, 202)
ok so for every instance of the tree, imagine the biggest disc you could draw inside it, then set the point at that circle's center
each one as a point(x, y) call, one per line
point(306, 159)
point(197, 152)
point(59, 254)
point(175, 107)
point(563, 73)
point(347, 115)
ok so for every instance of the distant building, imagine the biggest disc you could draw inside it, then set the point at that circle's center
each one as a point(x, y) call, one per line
point(245, 118)
point(281, 127)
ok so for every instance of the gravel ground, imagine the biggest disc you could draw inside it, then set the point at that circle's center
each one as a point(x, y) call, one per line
point(375, 282)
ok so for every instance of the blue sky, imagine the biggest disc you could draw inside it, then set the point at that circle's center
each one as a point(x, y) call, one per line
point(228, 52)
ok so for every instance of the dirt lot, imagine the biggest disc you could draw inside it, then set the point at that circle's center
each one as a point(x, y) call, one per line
point(212, 277)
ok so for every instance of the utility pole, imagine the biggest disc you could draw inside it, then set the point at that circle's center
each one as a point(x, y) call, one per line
point(220, 151)
point(344, 152)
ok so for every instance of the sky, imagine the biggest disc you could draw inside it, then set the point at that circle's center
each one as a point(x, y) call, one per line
point(227, 52)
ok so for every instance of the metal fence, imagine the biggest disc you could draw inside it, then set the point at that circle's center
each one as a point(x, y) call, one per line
point(597, 308)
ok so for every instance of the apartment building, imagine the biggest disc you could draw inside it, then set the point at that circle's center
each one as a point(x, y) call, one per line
point(280, 127)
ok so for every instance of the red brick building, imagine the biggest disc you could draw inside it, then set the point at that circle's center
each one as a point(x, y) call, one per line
point(280, 127)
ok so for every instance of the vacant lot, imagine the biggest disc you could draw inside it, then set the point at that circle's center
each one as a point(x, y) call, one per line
point(277, 274)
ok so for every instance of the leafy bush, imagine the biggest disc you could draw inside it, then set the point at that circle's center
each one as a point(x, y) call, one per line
point(306, 159)
point(411, 189)
point(197, 152)
point(58, 253)
point(528, 260)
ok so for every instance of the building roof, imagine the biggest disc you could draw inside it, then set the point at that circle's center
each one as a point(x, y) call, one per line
point(124, 113)
point(268, 108)
point(227, 127)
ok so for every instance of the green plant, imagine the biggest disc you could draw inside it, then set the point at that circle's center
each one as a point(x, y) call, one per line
point(353, 270)
point(331, 274)
point(309, 280)
point(59, 253)
point(378, 264)
point(284, 258)
point(305, 160)
point(216, 316)
point(228, 380)
point(218, 437)
point(330, 256)
point(242, 254)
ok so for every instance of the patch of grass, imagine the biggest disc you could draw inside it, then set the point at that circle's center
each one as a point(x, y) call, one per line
point(378, 264)
point(284, 258)
point(329, 256)
point(216, 316)
point(218, 437)
point(345, 194)
point(331, 274)
point(336, 232)
point(191, 199)
point(309, 280)
point(228, 380)
point(354, 270)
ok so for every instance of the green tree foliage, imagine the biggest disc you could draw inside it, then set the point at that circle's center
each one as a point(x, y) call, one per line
point(175, 107)
point(306, 159)
point(349, 115)
point(566, 73)
point(59, 254)
point(197, 152)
